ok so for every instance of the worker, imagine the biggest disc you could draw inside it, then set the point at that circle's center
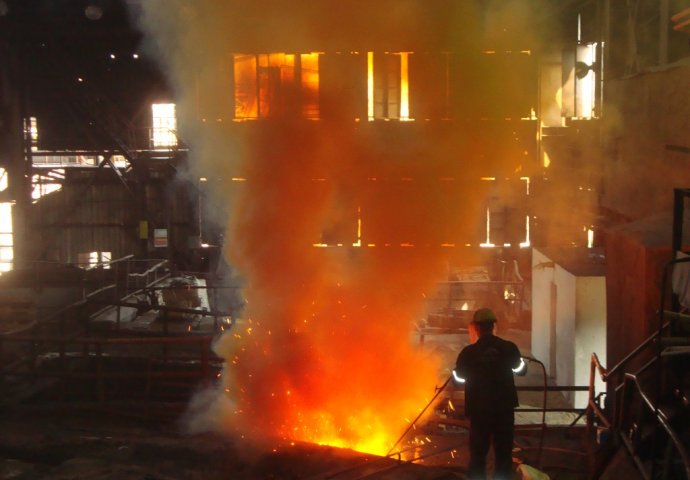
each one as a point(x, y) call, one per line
point(486, 367)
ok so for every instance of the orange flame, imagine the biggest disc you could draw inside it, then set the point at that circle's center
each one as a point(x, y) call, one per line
point(316, 365)
point(348, 378)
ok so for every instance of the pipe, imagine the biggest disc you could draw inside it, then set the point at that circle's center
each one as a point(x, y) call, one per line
point(438, 391)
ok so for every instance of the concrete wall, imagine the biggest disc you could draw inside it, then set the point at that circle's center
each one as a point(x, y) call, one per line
point(542, 276)
point(568, 323)
point(645, 114)
point(590, 311)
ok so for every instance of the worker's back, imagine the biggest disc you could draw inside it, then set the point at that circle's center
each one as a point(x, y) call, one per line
point(487, 368)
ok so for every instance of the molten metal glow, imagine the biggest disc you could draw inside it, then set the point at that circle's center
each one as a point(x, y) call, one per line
point(322, 381)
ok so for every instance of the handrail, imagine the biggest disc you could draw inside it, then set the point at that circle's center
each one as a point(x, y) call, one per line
point(604, 374)
point(121, 259)
point(595, 366)
point(150, 270)
point(634, 353)
point(663, 421)
point(593, 407)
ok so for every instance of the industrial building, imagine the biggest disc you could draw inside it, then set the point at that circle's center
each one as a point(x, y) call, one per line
point(245, 239)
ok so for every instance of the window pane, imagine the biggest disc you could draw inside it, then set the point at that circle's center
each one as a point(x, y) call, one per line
point(6, 253)
point(164, 122)
point(245, 86)
point(310, 85)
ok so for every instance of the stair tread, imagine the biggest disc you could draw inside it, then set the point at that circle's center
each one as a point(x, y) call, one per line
point(676, 350)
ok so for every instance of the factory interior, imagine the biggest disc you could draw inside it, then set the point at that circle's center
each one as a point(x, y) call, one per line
point(244, 240)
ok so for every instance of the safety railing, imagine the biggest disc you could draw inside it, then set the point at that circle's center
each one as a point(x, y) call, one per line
point(625, 386)
point(60, 347)
point(188, 360)
point(629, 432)
point(610, 377)
point(542, 426)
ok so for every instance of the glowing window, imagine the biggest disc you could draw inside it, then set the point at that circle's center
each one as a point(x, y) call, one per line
point(3, 179)
point(6, 238)
point(94, 259)
point(31, 132)
point(276, 84)
point(164, 125)
point(586, 81)
point(44, 184)
point(388, 86)
point(507, 221)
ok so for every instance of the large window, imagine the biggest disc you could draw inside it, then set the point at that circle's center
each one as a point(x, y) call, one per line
point(276, 84)
point(94, 259)
point(164, 123)
point(586, 81)
point(6, 238)
point(388, 86)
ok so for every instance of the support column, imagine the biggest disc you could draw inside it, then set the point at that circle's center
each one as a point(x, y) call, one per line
point(15, 143)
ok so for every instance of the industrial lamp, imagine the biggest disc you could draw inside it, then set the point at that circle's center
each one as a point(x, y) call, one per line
point(93, 11)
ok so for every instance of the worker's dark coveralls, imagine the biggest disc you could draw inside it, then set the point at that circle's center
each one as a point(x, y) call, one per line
point(490, 397)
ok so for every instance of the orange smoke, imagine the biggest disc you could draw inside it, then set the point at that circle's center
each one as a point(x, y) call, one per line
point(326, 355)
point(325, 351)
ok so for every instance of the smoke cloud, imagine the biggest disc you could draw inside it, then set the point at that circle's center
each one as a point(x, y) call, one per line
point(324, 352)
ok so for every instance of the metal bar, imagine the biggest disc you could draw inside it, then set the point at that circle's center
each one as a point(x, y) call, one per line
point(155, 267)
point(663, 421)
point(106, 375)
point(560, 409)
point(674, 341)
point(196, 287)
point(550, 388)
point(195, 311)
point(182, 339)
point(678, 207)
point(632, 354)
point(438, 391)
point(668, 315)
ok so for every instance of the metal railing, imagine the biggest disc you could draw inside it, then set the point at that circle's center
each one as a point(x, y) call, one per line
point(62, 343)
point(631, 386)
point(61, 353)
point(627, 387)
point(544, 388)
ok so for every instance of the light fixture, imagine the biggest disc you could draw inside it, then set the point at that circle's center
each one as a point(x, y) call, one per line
point(93, 11)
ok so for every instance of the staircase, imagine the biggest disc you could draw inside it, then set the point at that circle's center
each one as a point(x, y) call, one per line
point(648, 410)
